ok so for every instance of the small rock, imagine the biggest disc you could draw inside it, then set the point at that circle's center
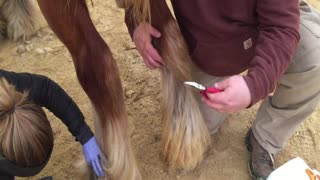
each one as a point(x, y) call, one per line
point(157, 138)
point(39, 34)
point(29, 47)
point(21, 49)
point(129, 93)
point(40, 51)
point(27, 42)
point(127, 45)
point(131, 126)
point(48, 38)
point(48, 50)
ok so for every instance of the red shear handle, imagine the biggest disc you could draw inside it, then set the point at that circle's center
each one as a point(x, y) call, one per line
point(209, 90)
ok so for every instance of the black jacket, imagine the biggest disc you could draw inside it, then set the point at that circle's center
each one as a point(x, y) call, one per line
point(46, 93)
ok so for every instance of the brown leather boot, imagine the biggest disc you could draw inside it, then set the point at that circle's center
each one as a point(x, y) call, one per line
point(261, 162)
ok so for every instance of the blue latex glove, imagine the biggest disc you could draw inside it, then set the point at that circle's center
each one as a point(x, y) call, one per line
point(92, 153)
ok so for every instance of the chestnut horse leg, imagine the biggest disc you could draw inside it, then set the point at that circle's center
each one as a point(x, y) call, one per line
point(185, 137)
point(99, 77)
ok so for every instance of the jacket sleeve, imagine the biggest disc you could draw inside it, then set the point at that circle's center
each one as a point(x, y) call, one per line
point(278, 35)
point(46, 93)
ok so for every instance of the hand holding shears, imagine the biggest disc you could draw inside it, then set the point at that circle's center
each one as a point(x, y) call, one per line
point(229, 95)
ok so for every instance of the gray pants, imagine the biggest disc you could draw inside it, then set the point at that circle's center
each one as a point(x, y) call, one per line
point(296, 95)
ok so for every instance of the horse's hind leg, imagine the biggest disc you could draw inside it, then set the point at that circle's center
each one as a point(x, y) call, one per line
point(98, 75)
point(22, 18)
point(185, 137)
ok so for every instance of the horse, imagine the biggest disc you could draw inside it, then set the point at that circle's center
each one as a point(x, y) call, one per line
point(185, 138)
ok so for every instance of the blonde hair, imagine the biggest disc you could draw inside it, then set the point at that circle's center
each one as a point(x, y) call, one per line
point(25, 133)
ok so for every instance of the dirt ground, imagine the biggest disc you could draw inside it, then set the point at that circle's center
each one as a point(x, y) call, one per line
point(228, 157)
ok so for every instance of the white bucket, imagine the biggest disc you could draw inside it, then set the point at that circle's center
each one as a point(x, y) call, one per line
point(295, 169)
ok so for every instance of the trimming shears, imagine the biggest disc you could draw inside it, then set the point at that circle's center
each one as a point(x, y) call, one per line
point(203, 90)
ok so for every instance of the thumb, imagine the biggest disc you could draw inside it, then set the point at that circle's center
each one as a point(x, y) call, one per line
point(154, 32)
point(222, 85)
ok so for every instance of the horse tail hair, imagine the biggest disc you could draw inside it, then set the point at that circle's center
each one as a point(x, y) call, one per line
point(22, 18)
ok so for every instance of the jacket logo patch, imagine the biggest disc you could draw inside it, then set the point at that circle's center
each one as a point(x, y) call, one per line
point(247, 44)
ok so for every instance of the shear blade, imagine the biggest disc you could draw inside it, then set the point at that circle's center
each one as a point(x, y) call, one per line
point(195, 85)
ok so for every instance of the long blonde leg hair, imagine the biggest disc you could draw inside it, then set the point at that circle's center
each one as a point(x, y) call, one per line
point(185, 137)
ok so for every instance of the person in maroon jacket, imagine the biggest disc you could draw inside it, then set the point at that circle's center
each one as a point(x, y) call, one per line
point(228, 37)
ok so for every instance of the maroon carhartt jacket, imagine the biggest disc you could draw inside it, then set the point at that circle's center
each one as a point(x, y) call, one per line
point(227, 37)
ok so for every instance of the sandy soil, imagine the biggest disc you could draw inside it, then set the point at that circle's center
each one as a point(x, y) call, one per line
point(228, 157)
